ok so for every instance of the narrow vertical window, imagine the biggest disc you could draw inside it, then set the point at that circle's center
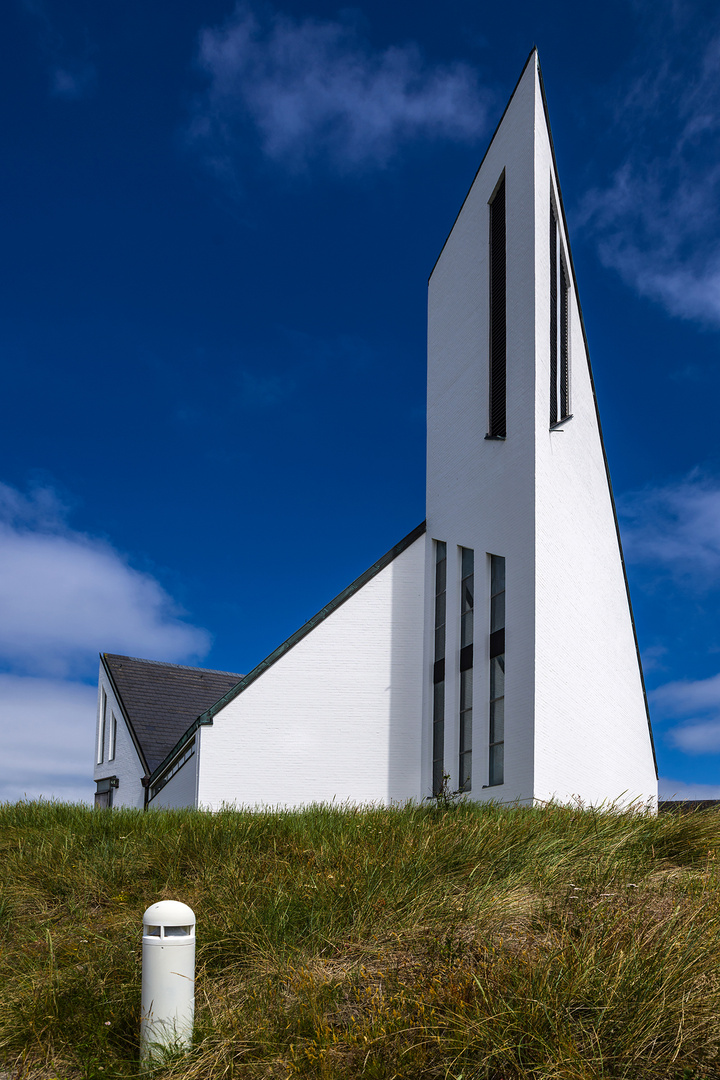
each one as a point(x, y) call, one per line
point(564, 345)
point(467, 592)
point(497, 670)
point(498, 334)
point(101, 727)
point(559, 362)
point(439, 668)
point(113, 737)
point(553, 320)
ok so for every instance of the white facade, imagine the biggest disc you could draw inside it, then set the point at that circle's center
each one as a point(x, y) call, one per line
point(344, 710)
point(182, 787)
point(122, 762)
point(576, 722)
point(592, 737)
point(338, 716)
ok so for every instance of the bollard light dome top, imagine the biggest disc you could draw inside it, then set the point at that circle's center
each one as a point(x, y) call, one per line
point(169, 913)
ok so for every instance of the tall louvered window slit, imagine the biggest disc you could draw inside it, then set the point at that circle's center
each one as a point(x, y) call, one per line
point(467, 605)
point(559, 328)
point(498, 327)
point(439, 668)
point(553, 318)
point(497, 671)
point(564, 345)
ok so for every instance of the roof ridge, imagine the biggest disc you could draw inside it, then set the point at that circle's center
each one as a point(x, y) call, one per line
point(207, 716)
point(168, 664)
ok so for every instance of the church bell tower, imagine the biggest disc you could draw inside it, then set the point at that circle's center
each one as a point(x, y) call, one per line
point(534, 688)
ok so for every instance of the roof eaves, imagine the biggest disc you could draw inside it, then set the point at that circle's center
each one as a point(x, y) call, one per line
point(118, 697)
point(207, 717)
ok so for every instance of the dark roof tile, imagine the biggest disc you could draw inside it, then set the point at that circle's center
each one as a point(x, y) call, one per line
point(162, 700)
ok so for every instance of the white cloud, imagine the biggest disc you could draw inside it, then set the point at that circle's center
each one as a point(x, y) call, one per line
point(675, 531)
point(43, 509)
point(65, 596)
point(697, 738)
point(676, 528)
point(47, 729)
point(686, 696)
point(72, 83)
point(678, 789)
point(657, 222)
point(698, 703)
point(312, 89)
point(654, 658)
point(67, 50)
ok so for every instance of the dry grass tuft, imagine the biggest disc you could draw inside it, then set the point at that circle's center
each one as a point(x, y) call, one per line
point(472, 942)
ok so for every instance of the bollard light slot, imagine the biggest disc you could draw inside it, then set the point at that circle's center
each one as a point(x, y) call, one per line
point(152, 931)
point(177, 931)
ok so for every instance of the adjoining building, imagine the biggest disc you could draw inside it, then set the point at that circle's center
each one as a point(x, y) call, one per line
point(492, 650)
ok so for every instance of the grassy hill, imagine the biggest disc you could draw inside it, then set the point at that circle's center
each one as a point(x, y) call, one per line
point(423, 942)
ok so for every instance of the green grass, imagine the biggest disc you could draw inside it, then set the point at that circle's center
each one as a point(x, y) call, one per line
point(473, 942)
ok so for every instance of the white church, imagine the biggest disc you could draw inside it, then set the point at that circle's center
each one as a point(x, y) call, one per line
point(493, 649)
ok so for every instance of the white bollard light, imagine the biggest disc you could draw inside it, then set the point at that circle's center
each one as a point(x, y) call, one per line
point(167, 1007)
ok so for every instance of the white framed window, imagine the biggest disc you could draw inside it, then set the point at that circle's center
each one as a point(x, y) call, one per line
point(104, 792)
point(113, 737)
point(100, 756)
point(559, 327)
point(467, 605)
point(497, 427)
point(438, 741)
point(497, 671)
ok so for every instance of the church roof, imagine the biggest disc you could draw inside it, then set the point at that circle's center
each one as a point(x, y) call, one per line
point(161, 700)
point(243, 681)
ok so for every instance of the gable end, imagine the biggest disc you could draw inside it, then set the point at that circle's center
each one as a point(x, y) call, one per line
point(207, 717)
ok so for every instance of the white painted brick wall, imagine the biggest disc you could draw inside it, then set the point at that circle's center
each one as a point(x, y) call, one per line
point(575, 717)
point(592, 736)
point(338, 717)
point(480, 493)
point(346, 714)
point(181, 790)
point(126, 764)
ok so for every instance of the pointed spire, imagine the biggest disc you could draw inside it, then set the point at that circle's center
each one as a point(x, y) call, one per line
point(517, 471)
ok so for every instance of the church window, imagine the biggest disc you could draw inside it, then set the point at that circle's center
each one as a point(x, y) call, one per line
point(104, 792)
point(113, 736)
point(497, 670)
point(439, 667)
point(101, 727)
point(559, 358)
point(498, 329)
point(467, 590)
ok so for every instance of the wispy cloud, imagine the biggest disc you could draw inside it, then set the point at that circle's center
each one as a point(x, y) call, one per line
point(654, 658)
point(658, 220)
point(697, 737)
point(64, 597)
point(312, 91)
point(687, 696)
point(675, 528)
point(68, 51)
point(262, 392)
point(47, 730)
point(72, 83)
point(678, 789)
point(697, 702)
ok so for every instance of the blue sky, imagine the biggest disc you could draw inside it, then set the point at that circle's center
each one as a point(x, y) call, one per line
point(217, 224)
